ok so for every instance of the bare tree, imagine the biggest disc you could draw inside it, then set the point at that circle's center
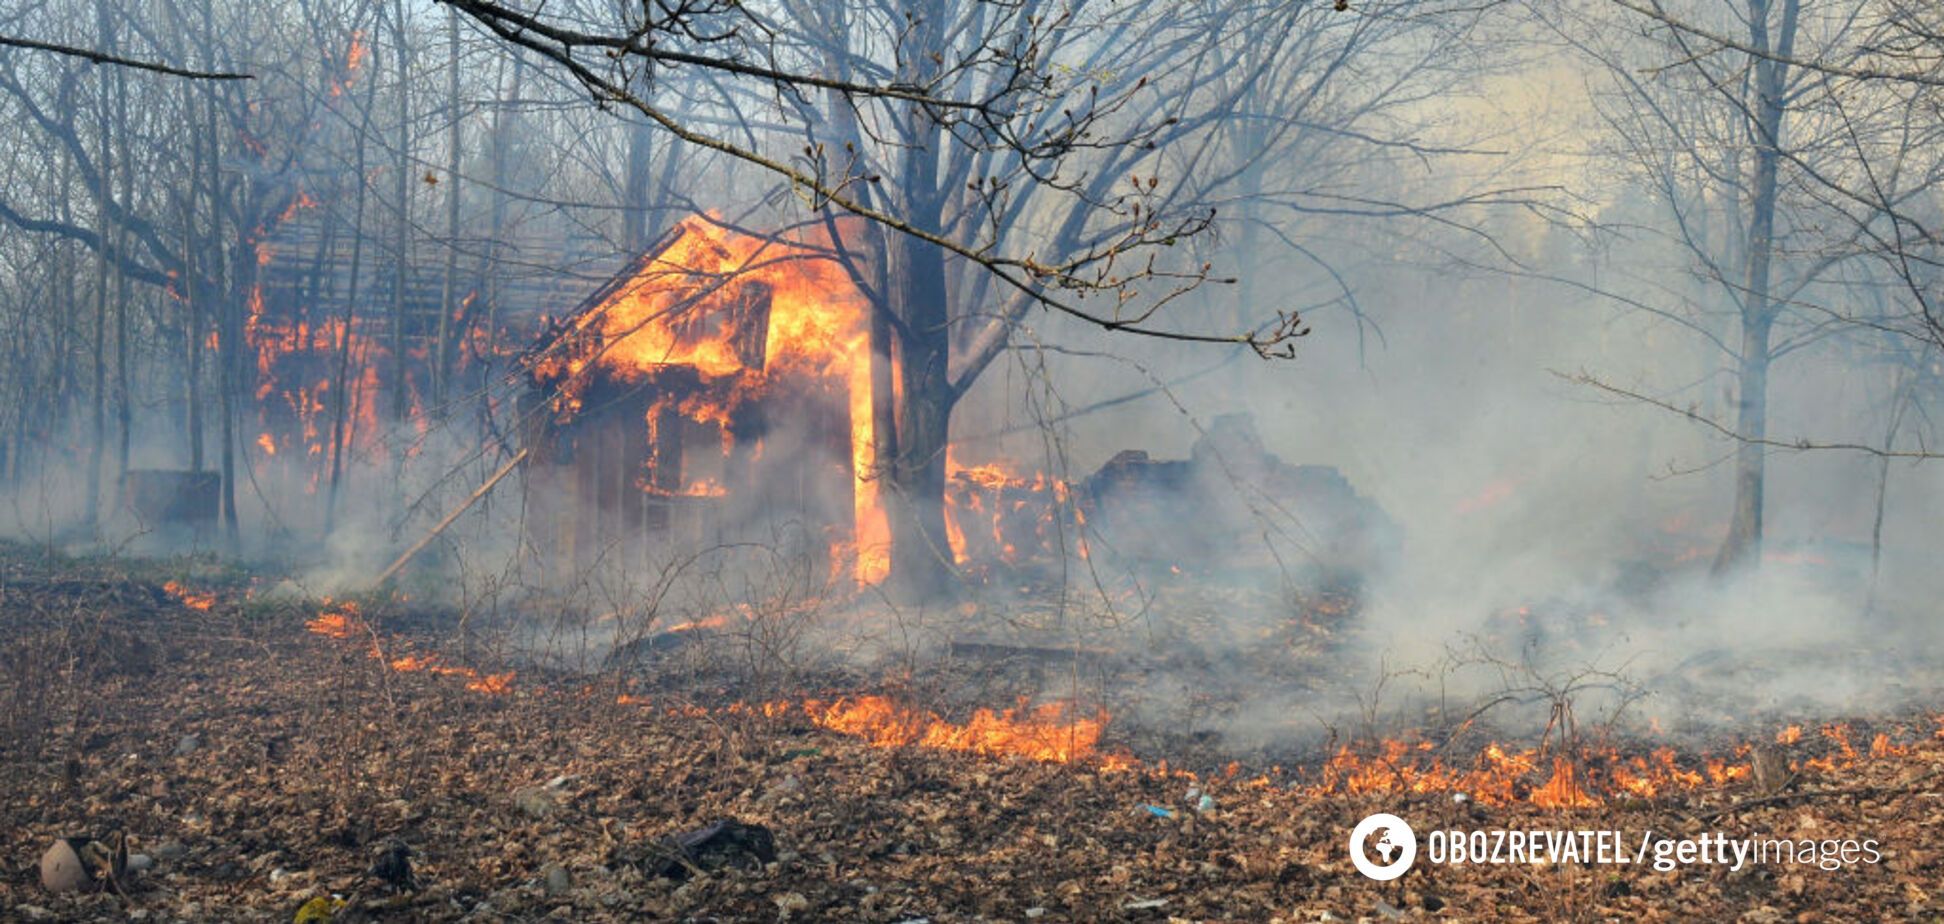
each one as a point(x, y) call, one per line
point(1752, 158)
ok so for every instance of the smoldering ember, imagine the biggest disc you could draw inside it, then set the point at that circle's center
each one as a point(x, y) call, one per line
point(959, 460)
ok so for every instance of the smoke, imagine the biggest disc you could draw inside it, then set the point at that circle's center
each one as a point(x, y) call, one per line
point(1556, 539)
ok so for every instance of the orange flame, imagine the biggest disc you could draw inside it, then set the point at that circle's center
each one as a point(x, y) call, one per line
point(1043, 733)
point(1563, 790)
point(188, 598)
point(492, 684)
point(341, 621)
point(992, 512)
point(344, 621)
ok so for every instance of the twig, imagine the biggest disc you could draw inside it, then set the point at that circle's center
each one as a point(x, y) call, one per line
point(88, 54)
point(1787, 798)
point(1800, 445)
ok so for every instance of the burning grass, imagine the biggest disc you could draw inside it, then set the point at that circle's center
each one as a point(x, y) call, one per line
point(1579, 775)
point(1046, 732)
point(201, 602)
point(345, 620)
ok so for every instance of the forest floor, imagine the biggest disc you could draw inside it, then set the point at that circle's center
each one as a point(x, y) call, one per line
point(262, 758)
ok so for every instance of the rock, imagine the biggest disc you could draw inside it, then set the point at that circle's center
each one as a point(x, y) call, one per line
point(170, 850)
point(1035, 912)
point(557, 879)
point(1389, 911)
point(62, 869)
point(140, 862)
point(187, 745)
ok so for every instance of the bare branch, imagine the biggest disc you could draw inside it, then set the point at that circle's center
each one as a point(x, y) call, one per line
point(1800, 445)
point(97, 57)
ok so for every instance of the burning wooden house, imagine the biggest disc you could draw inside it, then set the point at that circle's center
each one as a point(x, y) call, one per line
point(717, 390)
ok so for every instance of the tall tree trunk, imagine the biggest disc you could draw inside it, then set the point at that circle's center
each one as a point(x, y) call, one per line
point(229, 358)
point(124, 397)
point(98, 431)
point(1743, 544)
point(449, 296)
point(489, 272)
point(341, 409)
point(635, 188)
point(193, 325)
point(193, 290)
point(402, 189)
point(921, 556)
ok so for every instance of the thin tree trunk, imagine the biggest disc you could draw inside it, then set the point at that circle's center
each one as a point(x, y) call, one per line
point(98, 431)
point(402, 189)
point(124, 413)
point(489, 259)
point(449, 297)
point(1899, 397)
point(342, 407)
point(195, 334)
point(1743, 544)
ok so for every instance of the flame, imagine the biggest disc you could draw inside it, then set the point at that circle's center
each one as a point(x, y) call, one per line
point(492, 684)
point(1503, 776)
point(993, 512)
point(1843, 757)
point(340, 620)
point(1044, 733)
point(301, 202)
point(354, 59)
point(410, 663)
point(188, 598)
point(297, 367)
point(1563, 790)
point(344, 620)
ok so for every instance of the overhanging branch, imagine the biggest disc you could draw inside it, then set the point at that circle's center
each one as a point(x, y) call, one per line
point(98, 57)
